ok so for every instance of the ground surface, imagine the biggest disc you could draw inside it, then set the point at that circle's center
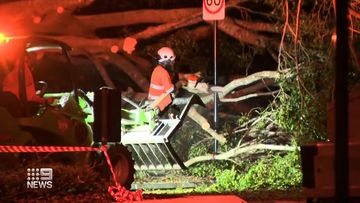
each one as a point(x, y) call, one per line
point(104, 197)
point(79, 183)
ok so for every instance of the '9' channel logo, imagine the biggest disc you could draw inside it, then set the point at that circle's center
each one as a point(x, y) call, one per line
point(39, 178)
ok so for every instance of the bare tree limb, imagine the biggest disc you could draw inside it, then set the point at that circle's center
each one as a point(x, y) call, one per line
point(104, 75)
point(248, 80)
point(253, 88)
point(354, 13)
point(39, 7)
point(130, 69)
point(167, 27)
point(198, 118)
point(243, 82)
point(243, 35)
point(145, 65)
point(237, 151)
point(60, 24)
point(257, 26)
point(17, 17)
point(248, 96)
point(153, 16)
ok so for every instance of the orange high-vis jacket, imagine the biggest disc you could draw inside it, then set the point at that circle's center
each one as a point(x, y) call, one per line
point(160, 83)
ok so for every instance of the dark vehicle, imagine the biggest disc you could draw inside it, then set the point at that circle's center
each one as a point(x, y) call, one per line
point(61, 123)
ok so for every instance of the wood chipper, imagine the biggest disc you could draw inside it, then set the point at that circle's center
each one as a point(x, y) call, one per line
point(137, 136)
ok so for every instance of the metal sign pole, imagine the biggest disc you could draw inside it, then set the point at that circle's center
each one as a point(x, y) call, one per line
point(341, 103)
point(216, 98)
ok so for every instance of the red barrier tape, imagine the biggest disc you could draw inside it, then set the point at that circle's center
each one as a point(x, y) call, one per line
point(118, 192)
point(121, 194)
point(12, 149)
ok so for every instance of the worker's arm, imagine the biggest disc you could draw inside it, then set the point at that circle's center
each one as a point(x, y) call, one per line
point(186, 75)
point(161, 102)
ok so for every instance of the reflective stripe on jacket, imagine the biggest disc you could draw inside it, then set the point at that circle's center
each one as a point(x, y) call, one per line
point(160, 83)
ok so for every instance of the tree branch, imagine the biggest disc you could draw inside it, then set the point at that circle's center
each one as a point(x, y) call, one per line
point(39, 7)
point(237, 151)
point(104, 74)
point(248, 80)
point(153, 16)
point(130, 69)
point(167, 27)
point(248, 96)
point(257, 26)
point(243, 35)
point(199, 119)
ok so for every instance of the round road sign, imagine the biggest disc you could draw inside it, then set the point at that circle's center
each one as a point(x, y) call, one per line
point(213, 9)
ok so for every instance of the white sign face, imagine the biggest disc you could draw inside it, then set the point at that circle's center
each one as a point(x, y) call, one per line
point(213, 9)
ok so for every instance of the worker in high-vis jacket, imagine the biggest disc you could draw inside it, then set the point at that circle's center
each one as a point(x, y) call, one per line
point(162, 89)
point(161, 85)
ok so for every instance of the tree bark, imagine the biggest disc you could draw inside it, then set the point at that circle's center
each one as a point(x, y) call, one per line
point(17, 17)
point(251, 89)
point(150, 16)
point(236, 151)
point(243, 82)
point(241, 98)
point(242, 35)
point(130, 69)
point(199, 119)
point(60, 24)
point(39, 7)
point(143, 64)
point(258, 26)
point(248, 80)
point(167, 27)
point(104, 74)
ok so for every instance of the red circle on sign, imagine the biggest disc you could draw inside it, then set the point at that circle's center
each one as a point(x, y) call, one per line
point(217, 10)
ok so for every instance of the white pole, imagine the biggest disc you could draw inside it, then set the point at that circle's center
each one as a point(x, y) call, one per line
point(216, 98)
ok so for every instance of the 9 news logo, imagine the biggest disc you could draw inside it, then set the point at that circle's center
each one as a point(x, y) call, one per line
point(39, 178)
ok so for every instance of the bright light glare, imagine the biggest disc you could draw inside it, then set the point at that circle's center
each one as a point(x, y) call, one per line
point(3, 38)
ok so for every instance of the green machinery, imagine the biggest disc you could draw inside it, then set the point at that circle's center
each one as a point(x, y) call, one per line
point(138, 138)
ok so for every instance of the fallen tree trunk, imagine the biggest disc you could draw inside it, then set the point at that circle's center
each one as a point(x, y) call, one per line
point(39, 7)
point(243, 82)
point(17, 17)
point(153, 16)
point(167, 27)
point(243, 35)
point(258, 26)
point(130, 69)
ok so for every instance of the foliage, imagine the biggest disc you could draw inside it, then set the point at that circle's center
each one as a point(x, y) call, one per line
point(303, 112)
point(207, 169)
point(272, 172)
point(275, 172)
point(300, 107)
